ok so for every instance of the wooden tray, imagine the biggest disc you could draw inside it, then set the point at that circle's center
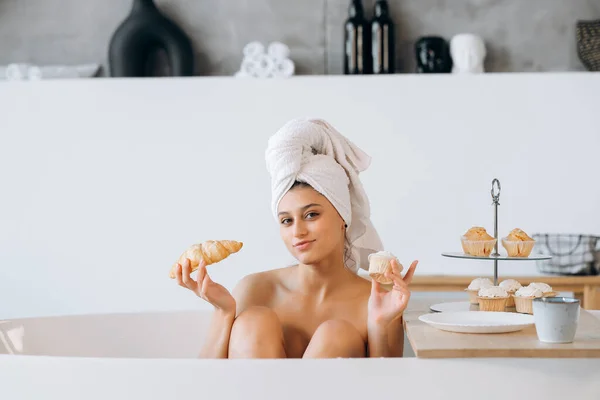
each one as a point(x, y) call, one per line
point(429, 342)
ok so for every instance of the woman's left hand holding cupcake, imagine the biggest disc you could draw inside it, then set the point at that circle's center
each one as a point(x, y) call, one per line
point(387, 305)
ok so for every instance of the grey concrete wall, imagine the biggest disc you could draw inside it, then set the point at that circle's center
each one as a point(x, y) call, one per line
point(521, 35)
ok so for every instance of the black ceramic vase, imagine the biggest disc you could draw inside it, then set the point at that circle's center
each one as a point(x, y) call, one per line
point(433, 55)
point(588, 44)
point(145, 33)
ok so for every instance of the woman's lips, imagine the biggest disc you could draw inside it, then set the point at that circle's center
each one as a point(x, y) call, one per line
point(303, 245)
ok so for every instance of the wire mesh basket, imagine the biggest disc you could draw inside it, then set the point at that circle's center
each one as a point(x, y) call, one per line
point(572, 254)
point(588, 44)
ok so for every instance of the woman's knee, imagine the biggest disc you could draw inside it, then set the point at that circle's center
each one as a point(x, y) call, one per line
point(256, 333)
point(336, 338)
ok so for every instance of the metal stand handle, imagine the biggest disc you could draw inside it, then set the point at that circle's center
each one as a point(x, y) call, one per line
point(496, 203)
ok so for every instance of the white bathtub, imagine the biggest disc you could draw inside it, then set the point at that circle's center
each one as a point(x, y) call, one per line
point(125, 335)
point(174, 334)
point(153, 355)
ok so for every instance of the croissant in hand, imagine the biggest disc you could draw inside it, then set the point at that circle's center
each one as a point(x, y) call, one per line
point(212, 251)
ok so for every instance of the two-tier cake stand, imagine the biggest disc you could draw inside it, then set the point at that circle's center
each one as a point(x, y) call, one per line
point(495, 256)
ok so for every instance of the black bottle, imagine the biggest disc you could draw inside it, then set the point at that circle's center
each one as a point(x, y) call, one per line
point(356, 41)
point(382, 40)
point(145, 32)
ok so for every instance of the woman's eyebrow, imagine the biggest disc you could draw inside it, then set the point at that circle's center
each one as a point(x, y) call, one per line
point(303, 208)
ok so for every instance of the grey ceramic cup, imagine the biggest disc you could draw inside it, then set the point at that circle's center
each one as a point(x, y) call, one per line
point(556, 319)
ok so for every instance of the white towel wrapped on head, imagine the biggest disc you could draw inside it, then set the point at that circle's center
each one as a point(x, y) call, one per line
point(314, 152)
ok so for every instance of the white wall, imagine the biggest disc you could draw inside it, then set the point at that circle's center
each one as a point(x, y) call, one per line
point(105, 182)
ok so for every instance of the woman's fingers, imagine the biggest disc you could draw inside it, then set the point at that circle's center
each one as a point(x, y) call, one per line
point(393, 272)
point(399, 286)
point(396, 280)
point(201, 272)
point(395, 267)
point(402, 289)
point(398, 283)
point(375, 287)
point(411, 271)
point(178, 275)
point(186, 271)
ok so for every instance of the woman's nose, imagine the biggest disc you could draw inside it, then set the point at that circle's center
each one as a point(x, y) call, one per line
point(300, 229)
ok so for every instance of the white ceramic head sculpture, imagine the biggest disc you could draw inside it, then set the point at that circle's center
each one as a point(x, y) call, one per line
point(468, 53)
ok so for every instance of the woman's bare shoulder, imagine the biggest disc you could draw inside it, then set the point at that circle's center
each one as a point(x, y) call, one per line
point(257, 289)
point(257, 281)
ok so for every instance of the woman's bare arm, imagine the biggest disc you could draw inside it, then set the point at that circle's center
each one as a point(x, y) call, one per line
point(386, 310)
point(386, 341)
point(396, 338)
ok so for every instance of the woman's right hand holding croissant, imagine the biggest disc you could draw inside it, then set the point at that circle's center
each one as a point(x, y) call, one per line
point(204, 287)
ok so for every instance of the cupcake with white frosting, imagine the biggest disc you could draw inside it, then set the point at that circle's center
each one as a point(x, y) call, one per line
point(379, 264)
point(492, 298)
point(524, 299)
point(511, 286)
point(474, 287)
point(545, 288)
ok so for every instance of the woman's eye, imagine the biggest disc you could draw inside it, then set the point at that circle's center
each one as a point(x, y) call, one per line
point(285, 221)
point(311, 215)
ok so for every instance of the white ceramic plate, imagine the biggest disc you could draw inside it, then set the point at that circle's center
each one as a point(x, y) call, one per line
point(454, 306)
point(478, 322)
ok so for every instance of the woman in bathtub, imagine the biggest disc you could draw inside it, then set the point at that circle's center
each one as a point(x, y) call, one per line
point(319, 308)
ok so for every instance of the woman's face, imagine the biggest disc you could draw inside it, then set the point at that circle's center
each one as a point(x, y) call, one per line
point(310, 226)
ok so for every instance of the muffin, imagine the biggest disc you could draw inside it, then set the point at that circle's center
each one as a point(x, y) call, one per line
point(492, 298)
point(379, 264)
point(474, 287)
point(511, 286)
point(524, 299)
point(545, 288)
point(477, 242)
point(518, 243)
